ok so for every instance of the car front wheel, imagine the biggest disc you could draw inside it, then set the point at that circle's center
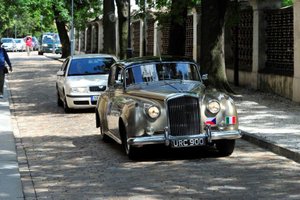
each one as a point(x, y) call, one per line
point(131, 151)
point(66, 107)
point(225, 147)
point(59, 101)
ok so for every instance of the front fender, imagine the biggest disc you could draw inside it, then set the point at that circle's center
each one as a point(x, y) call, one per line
point(137, 122)
point(227, 111)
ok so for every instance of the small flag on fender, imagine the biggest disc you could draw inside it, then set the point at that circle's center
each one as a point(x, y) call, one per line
point(211, 121)
point(230, 120)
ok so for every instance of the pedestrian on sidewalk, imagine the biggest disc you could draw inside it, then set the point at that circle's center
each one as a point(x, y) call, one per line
point(28, 44)
point(3, 58)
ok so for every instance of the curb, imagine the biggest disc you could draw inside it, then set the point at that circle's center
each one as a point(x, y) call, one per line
point(263, 143)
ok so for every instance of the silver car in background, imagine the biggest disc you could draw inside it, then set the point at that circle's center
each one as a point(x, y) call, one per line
point(81, 80)
point(20, 44)
point(9, 44)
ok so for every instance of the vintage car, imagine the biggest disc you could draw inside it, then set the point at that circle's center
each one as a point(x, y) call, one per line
point(81, 79)
point(163, 100)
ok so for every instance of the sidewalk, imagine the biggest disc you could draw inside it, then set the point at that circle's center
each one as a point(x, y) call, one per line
point(270, 121)
point(10, 180)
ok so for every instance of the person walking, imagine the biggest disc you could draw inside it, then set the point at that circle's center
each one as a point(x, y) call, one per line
point(3, 70)
point(28, 44)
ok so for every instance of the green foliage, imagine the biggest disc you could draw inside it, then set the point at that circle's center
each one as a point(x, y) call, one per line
point(32, 17)
point(287, 2)
point(163, 9)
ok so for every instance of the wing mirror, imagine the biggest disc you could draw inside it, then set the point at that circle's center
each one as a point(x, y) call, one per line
point(204, 77)
point(60, 73)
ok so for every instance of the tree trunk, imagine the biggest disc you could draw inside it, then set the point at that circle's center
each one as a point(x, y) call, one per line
point(63, 34)
point(109, 28)
point(212, 43)
point(122, 6)
point(177, 34)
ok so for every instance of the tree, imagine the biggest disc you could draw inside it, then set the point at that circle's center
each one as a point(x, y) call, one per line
point(122, 6)
point(84, 11)
point(61, 24)
point(177, 33)
point(109, 30)
point(212, 42)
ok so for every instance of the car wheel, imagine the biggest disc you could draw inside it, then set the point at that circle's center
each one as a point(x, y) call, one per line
point(105, 138)
point(66, 107)
point(225, 147)
point(131, 152)
point(59, 101)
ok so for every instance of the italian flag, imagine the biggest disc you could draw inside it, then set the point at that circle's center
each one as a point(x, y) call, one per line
point(230, 120)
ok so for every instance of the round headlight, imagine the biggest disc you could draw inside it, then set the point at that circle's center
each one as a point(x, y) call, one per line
point(153, 112)
point(213, 106)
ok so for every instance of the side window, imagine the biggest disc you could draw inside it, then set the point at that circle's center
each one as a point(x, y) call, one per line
point(119, 76)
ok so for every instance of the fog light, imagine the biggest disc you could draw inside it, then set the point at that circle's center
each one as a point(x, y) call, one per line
point(150, 130)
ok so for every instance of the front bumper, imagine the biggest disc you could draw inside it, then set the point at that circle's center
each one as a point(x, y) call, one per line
point(50, 50)
point(209, 136)
point(82, 102)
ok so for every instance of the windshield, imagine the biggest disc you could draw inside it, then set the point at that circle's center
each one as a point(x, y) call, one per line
point(90, 66)
point(47, 39)
point(7, 40)
point(161, 71)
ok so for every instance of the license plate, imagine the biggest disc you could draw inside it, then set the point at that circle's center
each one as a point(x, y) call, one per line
point(188, 142)
point(94, 98)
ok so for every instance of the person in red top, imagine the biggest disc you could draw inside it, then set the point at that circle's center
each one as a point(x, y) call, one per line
point(28, 44)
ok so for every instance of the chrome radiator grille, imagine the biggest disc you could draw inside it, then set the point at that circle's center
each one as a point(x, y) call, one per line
point(184, 116)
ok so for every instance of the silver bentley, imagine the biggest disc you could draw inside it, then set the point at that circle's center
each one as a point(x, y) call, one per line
point(162, 100)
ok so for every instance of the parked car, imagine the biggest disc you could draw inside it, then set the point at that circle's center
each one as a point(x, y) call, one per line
point(81, 80)
point(50, 44)
point(163, 100)
point(35, 44)
point(8, 44)
point(20, 44)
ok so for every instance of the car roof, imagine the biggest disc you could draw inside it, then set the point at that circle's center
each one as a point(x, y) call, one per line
point(149, 59)
point(79, 56)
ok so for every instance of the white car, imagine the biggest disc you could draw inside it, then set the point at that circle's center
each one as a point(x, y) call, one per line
point(81, 80)
point(20, 44)
point(8, 44)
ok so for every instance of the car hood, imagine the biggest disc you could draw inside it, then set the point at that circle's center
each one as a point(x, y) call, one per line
point(164, 90)
point(87, 80)
point(7, 44)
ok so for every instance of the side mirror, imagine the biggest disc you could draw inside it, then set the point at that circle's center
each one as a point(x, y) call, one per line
point(60, 73)
point(204, 77)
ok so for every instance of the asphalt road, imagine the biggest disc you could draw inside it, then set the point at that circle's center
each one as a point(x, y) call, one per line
point(61, 155)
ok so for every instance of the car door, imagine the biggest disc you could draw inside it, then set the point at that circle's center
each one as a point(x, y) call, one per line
point(115, 100)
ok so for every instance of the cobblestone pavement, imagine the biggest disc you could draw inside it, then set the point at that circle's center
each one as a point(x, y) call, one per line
point(61, 155)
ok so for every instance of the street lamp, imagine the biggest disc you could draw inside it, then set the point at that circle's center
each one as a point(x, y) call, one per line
point(15, 16)
point(129, 49)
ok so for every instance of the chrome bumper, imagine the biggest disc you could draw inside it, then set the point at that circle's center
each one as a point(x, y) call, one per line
point(209, 135)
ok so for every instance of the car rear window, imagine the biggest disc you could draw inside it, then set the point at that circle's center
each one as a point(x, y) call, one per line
point(90, 66)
